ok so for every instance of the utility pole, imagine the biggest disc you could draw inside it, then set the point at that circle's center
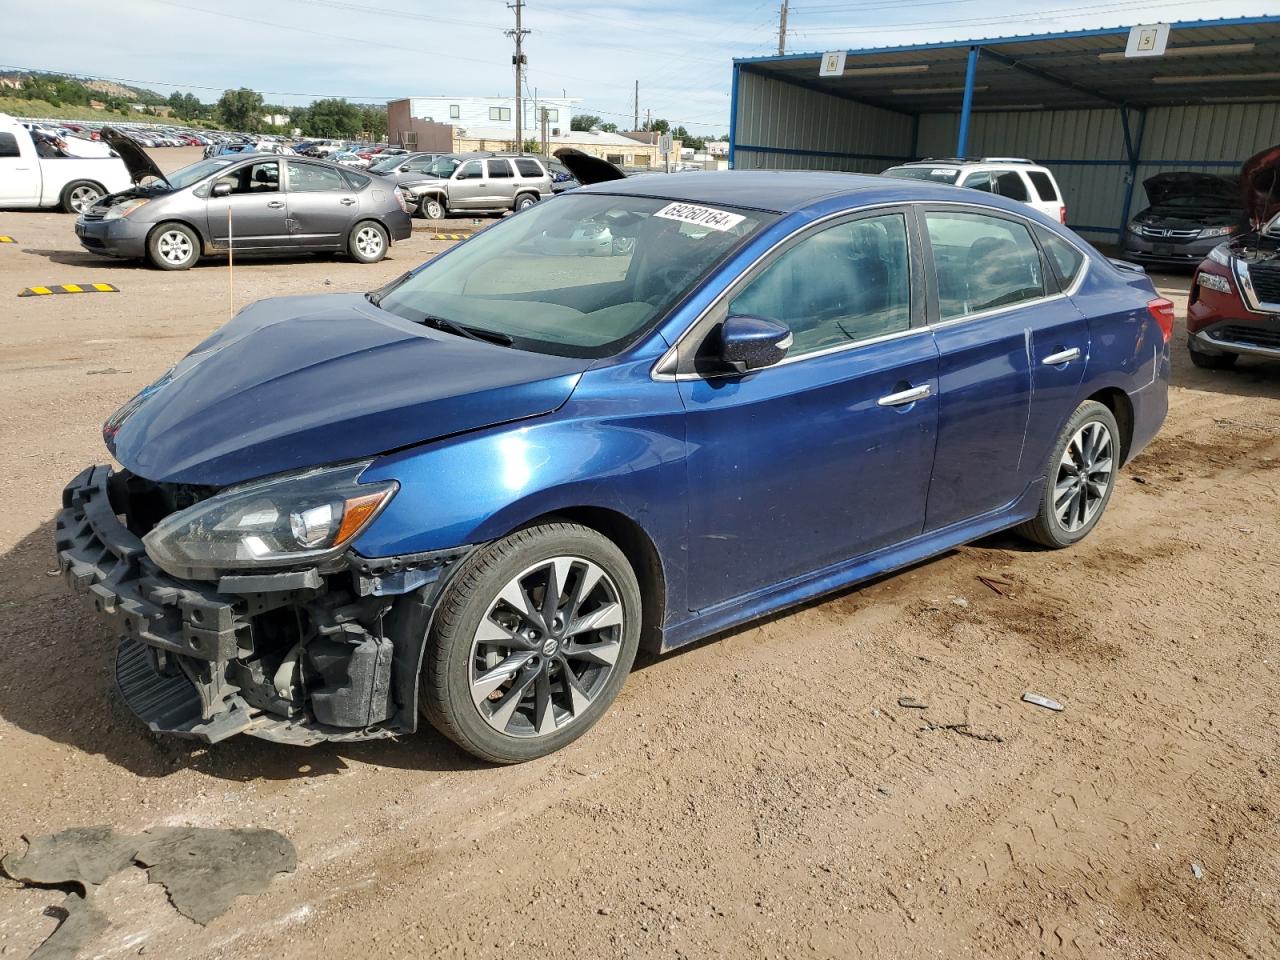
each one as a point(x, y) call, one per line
point(635, 124)
point(546, 147)
point(518, 61)
point(782, 29)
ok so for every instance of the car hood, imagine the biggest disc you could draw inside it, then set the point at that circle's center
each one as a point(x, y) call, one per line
point(297, 382)
point(140, 165)
point(1210, 190)
point(588, 169)
point(1260, 177)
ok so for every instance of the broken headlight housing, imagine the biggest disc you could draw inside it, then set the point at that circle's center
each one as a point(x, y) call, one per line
point(297, 518)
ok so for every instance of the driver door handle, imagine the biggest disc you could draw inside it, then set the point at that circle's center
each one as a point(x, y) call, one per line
point(1061, 357)
point(276, 204)
point(346, 201)
point(902, 398)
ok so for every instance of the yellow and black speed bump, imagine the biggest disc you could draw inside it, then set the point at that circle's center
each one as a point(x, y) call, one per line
point(450, 236)
point(7, 240)
point(69, 288)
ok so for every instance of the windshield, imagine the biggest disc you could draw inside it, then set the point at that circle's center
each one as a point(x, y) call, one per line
point(197, 171)
point(936, 174)
point(582, 275)
point(388, 163)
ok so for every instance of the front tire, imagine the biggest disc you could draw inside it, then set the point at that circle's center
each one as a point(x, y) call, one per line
point(173, 246)
point(1080, 476)
point(368, 242)
point(79, 195)
point(1212, 361)
point(531, 643)
point(431, 208)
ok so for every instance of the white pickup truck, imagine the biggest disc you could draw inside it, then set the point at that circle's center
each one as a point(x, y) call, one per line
point(28, 179)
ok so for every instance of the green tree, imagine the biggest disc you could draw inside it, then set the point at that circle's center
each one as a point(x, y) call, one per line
point(584, 121)
point(609, 127)
point(333, 118)
point(373, 121)
point(240, 109)
point(657, 126)
point(533, 145)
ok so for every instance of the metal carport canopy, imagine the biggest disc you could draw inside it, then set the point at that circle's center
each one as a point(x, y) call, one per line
point(1206, 62)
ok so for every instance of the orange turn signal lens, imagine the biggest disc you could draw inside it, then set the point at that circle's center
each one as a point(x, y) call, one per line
point(357, 512)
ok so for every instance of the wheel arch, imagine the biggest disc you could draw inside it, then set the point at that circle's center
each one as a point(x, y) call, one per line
point(639, 549)
point(1121, 407)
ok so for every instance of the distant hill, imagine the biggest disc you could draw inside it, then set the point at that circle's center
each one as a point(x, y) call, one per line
point(57, 88)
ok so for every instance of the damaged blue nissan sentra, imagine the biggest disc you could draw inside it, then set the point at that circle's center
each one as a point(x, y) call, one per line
point(633, 415)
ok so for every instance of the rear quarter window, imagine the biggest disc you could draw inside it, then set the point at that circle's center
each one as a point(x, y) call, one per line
point(1066, 260)
point(1010, 185)
point(1044, 185)
point(528, 168)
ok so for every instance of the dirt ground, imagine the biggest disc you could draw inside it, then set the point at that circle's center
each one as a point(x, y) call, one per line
point(760, 795)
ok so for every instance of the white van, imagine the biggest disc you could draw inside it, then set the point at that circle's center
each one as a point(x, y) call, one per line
point(30, 179)
point(1012, 177)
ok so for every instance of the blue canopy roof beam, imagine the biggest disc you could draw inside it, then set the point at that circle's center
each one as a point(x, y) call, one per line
point(966, 106)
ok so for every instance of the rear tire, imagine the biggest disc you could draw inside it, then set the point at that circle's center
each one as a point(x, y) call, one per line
point(524, 201)
point(1212, 361)
point(79, 195)
point(173, 246)
point(368, 242)
point(504, 681)
point(1079, 478)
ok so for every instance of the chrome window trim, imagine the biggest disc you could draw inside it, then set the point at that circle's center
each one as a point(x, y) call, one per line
point(671, 355)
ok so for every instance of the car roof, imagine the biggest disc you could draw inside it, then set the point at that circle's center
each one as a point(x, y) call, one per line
point(993, 163)
point(786, 191)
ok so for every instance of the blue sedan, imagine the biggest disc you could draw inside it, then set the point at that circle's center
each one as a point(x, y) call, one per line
point(634, 415)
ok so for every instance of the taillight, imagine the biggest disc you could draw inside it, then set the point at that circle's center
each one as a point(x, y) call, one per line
point(1162, 311)
point(1062, 214)
point(400, 198)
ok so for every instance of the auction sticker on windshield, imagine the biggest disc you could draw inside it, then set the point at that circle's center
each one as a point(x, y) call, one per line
point(701, 216)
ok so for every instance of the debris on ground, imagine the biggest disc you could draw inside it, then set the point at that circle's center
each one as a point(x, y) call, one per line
point(965, 730)
point(1047, 702)
point(960, 602)
point(912, 703)
point(203, 870)
point(995, 583)
point(1197, 871)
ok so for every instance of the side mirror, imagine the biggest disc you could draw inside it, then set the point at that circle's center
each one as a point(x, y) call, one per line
point(749, 343)
point(405, 168)
point(220, 190)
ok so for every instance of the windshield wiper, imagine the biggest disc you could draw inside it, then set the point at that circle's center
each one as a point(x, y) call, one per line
point(472, 333)
point(375, 296)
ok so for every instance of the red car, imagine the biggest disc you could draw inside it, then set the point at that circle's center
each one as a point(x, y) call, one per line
point(1234, 307)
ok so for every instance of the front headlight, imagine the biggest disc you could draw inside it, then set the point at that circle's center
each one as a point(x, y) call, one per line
point(1221, 254)
point(123, 209)
point(303, 517)
point(1210, 232)
point(1135, 227)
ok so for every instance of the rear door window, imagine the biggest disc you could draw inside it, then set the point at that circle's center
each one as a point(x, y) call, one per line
point(982, 263)
point(309, 178)
point(499, 169)
point(1044, 185)
point(1010, 185)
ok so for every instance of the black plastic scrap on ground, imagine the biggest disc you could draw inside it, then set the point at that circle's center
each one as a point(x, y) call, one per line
point(69, 288)
point(202, 869)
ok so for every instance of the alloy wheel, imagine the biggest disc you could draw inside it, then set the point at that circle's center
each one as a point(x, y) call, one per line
point(546, 647)
point(175, 247)
point(1084, 476)
point(84, 197)
point(369, 241)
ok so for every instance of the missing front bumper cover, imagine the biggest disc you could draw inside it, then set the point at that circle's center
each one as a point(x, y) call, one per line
point(298, 656)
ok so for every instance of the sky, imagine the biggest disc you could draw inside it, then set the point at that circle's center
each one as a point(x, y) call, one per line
point(680, 51)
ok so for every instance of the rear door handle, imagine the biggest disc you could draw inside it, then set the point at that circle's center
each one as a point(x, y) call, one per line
point(276, 204)
point(1061, 357)
point(902, 398)
point(346, 201)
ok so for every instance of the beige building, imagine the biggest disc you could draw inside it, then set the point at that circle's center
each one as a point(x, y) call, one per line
point(614, 147)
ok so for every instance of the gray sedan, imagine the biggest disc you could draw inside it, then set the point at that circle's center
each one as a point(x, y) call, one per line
point(250, 202)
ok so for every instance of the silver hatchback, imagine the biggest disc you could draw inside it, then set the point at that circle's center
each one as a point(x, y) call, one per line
point(256, 203)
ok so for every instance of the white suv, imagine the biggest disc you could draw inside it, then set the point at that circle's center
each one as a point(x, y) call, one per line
point(1010, 177)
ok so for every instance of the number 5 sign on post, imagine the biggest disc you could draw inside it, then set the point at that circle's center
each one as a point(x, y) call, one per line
point(832, 64)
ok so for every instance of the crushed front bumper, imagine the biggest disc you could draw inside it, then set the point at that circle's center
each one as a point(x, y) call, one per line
point(297, 656)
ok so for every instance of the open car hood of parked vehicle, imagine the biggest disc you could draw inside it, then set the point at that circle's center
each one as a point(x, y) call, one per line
point(295, 382)
point(1209, 190)
point(586, 168)
point(1260, 177)
point(139, 165)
